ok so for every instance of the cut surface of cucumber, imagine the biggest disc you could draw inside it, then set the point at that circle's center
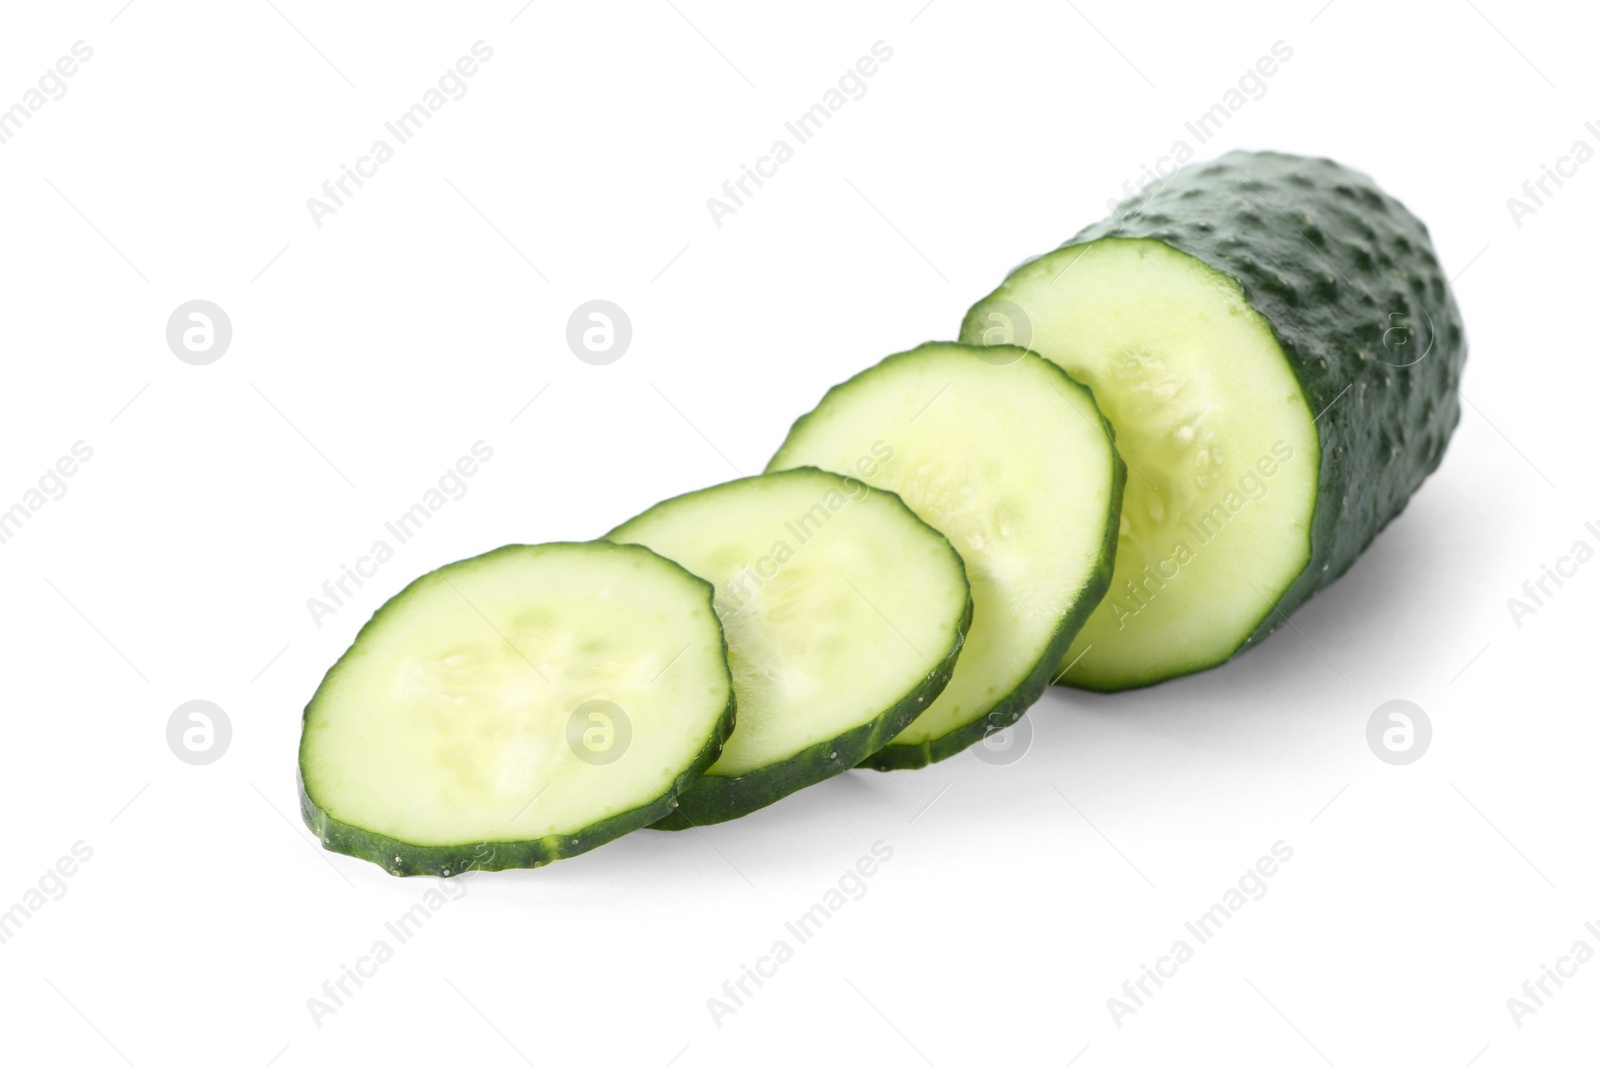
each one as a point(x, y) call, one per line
point(844, 614)
point(1277, 347)
point(1010, 459)
point(515, 708)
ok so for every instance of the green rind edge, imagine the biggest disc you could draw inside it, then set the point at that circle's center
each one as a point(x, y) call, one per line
point(716, 799)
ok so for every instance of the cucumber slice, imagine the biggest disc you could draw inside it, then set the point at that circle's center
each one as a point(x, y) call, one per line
point(844, 615)
point(1010, 459)
point(516, 708)
point(1278, 348)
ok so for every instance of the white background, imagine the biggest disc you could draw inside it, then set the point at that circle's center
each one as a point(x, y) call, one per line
point(370, 353)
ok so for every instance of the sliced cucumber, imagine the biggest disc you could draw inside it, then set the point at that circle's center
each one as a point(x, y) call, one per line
point(1010, 459)
point(1278, 348)
point(844, 614)
point(516, 708)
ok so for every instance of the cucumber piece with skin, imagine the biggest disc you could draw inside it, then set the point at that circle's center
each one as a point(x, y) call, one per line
point(516, 708)
point(844, 614)
point(1009, 458)
point(1279, 350)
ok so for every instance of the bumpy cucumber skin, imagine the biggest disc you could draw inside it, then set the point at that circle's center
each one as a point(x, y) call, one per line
point(402, 858)
point(1010, 708)
point(1333, 264)
point(715, 798)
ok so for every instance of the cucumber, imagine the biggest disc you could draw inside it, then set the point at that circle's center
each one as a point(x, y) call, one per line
point(1279, 350)
point(844, 614)
point(516, 708)
point(1010, 459)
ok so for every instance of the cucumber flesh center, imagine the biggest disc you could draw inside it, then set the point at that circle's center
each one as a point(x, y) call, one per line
point(449, 722)
point(1221, 449)
point(836, 602)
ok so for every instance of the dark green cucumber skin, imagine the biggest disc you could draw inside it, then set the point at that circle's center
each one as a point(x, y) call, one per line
point(904, 757)
point(1333, 264)
point(715, 798)
point(402, 858)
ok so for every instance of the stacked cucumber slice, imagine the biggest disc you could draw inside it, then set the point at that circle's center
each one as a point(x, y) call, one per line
point(844, 614)
point(1153, 445)
point(516, 708)
point(1011, 459)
